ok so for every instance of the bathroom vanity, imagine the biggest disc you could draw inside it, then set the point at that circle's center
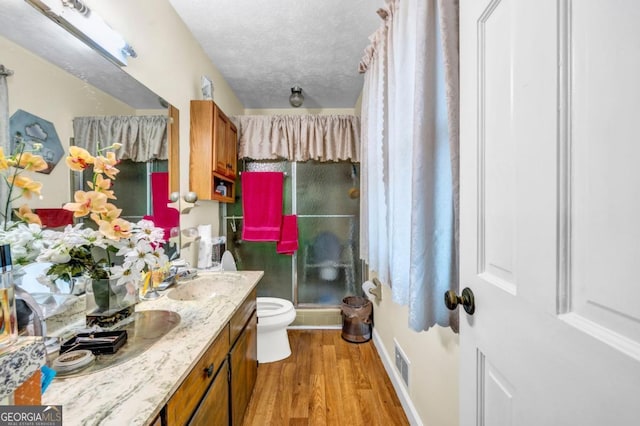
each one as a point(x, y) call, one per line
point(204, 368)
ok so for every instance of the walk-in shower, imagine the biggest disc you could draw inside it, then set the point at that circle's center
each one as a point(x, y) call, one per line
point(326, 267)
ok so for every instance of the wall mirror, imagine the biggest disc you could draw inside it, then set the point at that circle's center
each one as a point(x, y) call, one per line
point(58, 78)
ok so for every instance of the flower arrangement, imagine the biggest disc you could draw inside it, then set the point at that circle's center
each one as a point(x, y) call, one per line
point(21, 228)
point(12, 169)
point(81, 250)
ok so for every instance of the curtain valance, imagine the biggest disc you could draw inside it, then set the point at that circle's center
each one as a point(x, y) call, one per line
point(299, 137)
point(143, 138)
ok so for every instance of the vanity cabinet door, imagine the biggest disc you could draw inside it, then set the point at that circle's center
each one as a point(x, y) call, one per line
point(241, 317)
point(214, 407)
point(244, 369)
point(186, 399)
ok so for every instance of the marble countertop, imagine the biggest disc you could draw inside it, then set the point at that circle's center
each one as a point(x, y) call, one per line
point(19, 361)
point(134, 392)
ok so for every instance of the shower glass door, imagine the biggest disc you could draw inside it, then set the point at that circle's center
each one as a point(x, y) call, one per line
point(325, 268)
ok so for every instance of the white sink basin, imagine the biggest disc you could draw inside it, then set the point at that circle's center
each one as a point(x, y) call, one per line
point(207, 287)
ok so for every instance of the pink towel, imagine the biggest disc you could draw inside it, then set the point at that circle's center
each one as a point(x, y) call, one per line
point(160, 190)
point(289, 236)
point(164, 217)
point(55, 218)
point(262, 205)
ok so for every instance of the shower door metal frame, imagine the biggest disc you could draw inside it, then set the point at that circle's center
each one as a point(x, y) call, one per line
point(294, 257)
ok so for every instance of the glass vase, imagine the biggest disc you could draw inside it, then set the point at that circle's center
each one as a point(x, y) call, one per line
point(109, 303)
point(8, 318)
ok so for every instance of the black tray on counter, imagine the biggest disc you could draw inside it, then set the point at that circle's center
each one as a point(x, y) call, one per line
point(94, 343)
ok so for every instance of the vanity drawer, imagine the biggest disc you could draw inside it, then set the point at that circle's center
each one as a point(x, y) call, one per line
point(242, 315)
point(188, 396)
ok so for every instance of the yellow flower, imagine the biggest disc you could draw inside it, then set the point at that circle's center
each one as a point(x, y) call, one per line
point(28, 186)
point(106, 165)
point(35, 163)
point(87, 202)
point(79, 159)
point(104, 186)
point(27, 215)
point(110, 214)
point(116, 229)
point(4, 164)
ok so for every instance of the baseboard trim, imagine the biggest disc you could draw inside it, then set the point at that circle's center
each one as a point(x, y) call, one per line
point(396, 380)
point(314, 327)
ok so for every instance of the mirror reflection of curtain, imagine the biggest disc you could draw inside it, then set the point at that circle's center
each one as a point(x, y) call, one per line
point(144, 150)
point(143, 138)
point(4, 125)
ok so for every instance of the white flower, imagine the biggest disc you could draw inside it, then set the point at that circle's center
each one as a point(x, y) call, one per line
point(145, 229)
point(140, 253)
point(26, 241)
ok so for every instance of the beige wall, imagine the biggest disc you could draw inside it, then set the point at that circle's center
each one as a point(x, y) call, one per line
point(171, 63)
point(433, 355)
point(58, 98)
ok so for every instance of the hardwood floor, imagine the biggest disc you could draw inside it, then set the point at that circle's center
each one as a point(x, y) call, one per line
point(325, 381)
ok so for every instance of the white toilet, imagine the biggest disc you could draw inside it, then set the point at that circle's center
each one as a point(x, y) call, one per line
point(274, 315)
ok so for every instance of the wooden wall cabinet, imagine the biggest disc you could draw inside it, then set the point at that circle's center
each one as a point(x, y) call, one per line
point(213, 156)
point(217, 391)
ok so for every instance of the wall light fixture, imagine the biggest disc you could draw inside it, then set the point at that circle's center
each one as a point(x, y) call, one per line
point(75, 17)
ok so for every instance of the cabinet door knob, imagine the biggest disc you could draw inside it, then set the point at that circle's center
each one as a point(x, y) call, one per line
point(209, 370)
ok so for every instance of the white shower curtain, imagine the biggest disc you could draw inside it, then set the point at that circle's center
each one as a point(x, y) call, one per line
point(374, 235)
point(411, 141)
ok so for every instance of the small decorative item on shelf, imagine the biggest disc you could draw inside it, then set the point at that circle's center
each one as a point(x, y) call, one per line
point(221, 189)
point(207, 88)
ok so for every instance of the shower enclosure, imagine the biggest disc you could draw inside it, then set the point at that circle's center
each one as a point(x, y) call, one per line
point(326, 267)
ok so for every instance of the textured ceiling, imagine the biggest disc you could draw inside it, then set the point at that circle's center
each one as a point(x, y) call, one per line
point(262, 48)
point(265, 47)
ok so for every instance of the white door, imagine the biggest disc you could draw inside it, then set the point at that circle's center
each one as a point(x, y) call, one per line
point(550, 212)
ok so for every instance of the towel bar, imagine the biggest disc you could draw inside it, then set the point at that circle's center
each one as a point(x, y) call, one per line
point(284, 173)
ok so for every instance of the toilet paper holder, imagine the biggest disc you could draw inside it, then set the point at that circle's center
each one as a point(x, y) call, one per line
point(377, 290)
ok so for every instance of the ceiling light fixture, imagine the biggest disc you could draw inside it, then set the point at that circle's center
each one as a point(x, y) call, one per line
point(297, 98)
point(75, 17)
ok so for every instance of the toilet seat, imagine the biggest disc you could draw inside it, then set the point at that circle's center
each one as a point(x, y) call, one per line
point(271, 306)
